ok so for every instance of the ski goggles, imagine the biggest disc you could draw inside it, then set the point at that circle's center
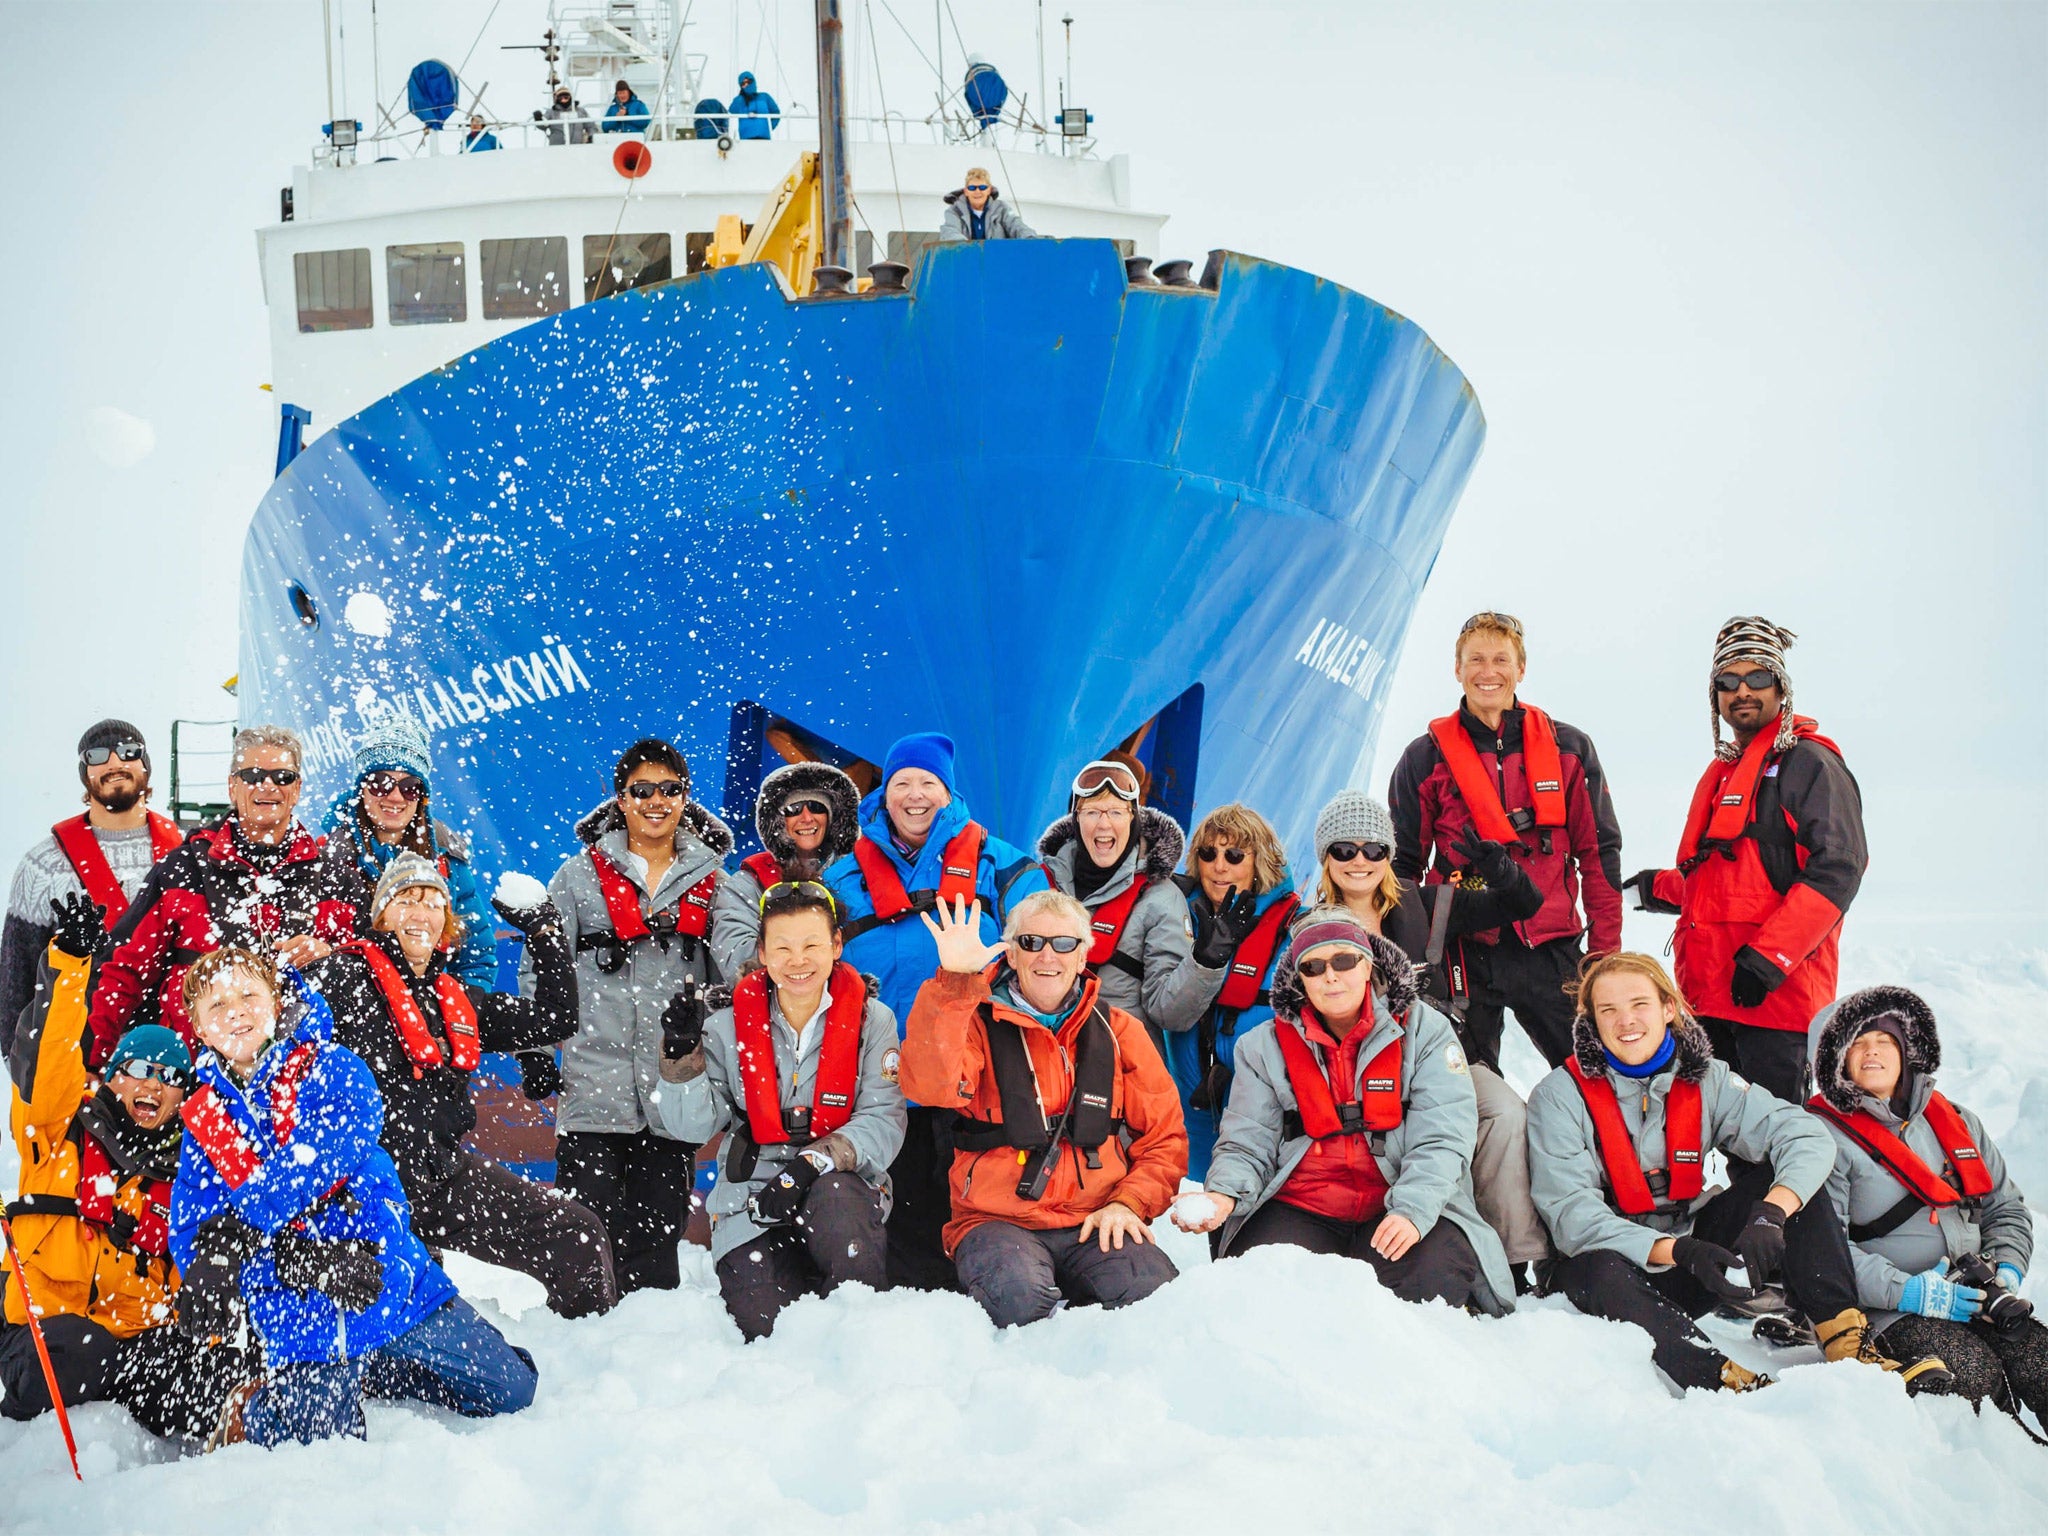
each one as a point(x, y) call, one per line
point(385, 785)
point(1344, 960)
point(807, 808)
point(668, 789)
point(1209, 853)
point(144, 1071)
point(1755, 682)
point(283, 778)
point(96, 757)
point(1344, 853)
point(810, 888)
point(1062, 943)
point(1103, 775)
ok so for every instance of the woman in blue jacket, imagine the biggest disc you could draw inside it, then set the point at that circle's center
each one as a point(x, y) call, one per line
point(289, 1216)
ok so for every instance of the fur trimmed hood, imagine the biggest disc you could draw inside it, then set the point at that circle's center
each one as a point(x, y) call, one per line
point(1160, 841)
point(1393, 980)
point(1695, 1051)
point(822, 780)
point(1842, 1021)
point(707, 828)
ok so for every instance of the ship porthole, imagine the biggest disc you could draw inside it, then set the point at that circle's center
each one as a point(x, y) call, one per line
point(302, 605)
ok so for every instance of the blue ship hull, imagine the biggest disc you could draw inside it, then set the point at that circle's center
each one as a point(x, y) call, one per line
point(1026, 504)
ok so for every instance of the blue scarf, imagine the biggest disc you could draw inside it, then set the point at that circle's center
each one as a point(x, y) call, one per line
point(1650, 1068)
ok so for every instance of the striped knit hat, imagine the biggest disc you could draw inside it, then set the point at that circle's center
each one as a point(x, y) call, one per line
point(1750, 640)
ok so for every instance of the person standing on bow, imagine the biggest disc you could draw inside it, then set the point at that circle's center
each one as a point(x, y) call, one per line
point(105, 853)
point(1534, 785)
point(808, 815)
point(388, 810)
point(1772, 855)
point(919, 846)
point(635, 906)
point(1115, 855)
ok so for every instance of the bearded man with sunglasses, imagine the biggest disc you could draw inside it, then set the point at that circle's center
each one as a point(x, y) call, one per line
point(1772, 855)
point(258, 880)
point(105, 853)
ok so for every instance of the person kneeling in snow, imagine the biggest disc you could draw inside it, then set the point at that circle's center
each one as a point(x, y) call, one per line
point(398, 1004)
point(1618, 1141)
point(1351, 1124)
point(1939, 1233)
point(1070, 1140)
point(288, 1215)
point(799, 1070)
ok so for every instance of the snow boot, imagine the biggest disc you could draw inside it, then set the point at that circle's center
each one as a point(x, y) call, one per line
point(1740, 1378)
point(229, 1431)
point(1847, 1336)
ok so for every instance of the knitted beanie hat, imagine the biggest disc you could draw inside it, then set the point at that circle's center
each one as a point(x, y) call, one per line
point(109, 733)
point(405, 871)
point(393, 745)
point(1353, 817)
point(1747, 640)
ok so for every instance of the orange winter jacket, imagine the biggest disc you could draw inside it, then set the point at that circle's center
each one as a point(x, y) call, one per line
point(946, 1065)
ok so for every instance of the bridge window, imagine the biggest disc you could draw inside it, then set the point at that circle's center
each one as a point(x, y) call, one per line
point(524, 278)
point(426, 283)
point(333, 290)
point(613, 263)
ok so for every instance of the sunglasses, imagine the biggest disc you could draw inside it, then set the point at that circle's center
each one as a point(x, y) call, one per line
point(806, 808)
point(283, 778)
point(1062, 943)
point(384, 785)
point(1489, 619)
point(1208, 853)
point(809, 888)
point(977, 186)
point(151, 1071)
point(668, 789)
point(127, 751)
point(1102, 774)
point(1348, 960)
point(1344, 853)
point(1755, 682)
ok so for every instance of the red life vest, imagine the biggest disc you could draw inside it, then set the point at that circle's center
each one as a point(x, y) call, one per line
point(1724, 801)
point(1686, 1174)
point(222, 1140)
point(838, 1060)
point(958, 867)
point(99, 1181)
point(1108, 920)
point(89, 861)
point(458, 1014)
point(1906, 1165)
point(764, 867)
point(1320, 1111)
point(1255, 954)
point(622, 902)
point(1541, 766)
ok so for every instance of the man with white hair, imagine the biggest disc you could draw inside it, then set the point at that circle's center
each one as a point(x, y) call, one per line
point(258, 880)
point(977, 212)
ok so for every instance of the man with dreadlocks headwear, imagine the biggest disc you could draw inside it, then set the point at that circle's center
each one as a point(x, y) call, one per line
point(1772, 855)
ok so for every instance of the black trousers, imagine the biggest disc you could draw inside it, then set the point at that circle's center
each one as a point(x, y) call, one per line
point(1773, 1059)
point(639, 1186)
point(1995, 1363)
point(1019, 1275)
point(1663, 1303)
point(1442, 1266)
point(174, 1386)
point(921, 1179)
point(489, 1212)
point(1530, 981)
point(837, 1236)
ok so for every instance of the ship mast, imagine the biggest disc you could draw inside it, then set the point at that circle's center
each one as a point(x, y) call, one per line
point(835, 176)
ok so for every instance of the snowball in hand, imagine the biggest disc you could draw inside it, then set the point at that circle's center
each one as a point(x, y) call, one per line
point(1194, 1208)
point(519, 891)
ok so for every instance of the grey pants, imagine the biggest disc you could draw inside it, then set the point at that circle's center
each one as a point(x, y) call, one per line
point(1500, 1169)
point(1019, 1275)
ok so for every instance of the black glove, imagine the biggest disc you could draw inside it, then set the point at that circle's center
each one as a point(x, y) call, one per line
point(1218, 933)
point(210, 1291)
point(1709, 1264)
point(1496, 866)
point(682, 1021)
point(530, 921)
point(539, 1077)
point(776, 1203)
point(1644, 883)
point(349, 1269)
point(1761, 1242)
point(1754, 979)
point(1213, 1091)
point(81, 926)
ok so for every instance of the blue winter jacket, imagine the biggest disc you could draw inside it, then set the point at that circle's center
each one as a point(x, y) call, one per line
point(901, 955)
point(483, 139)
point(333, 1142)
point(626, 117)
point(1227, 1026)
point(756, 112)
point(476, 962)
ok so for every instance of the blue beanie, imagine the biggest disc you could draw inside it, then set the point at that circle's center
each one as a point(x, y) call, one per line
point(394, 744)
point(923, 749)
point(152, 1042)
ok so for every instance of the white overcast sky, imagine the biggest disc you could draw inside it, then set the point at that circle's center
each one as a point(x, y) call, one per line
point(1755, 299)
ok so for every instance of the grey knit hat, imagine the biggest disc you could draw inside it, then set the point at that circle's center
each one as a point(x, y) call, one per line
point(1353, 817)
point(404, 872)
point(1749, 640)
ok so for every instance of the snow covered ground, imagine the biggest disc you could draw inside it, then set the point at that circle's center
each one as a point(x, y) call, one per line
point(1280, 1389)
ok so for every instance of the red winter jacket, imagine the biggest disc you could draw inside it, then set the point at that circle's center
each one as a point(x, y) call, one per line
point(1579, 863)
point(1782, 888)
point(205, 895)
